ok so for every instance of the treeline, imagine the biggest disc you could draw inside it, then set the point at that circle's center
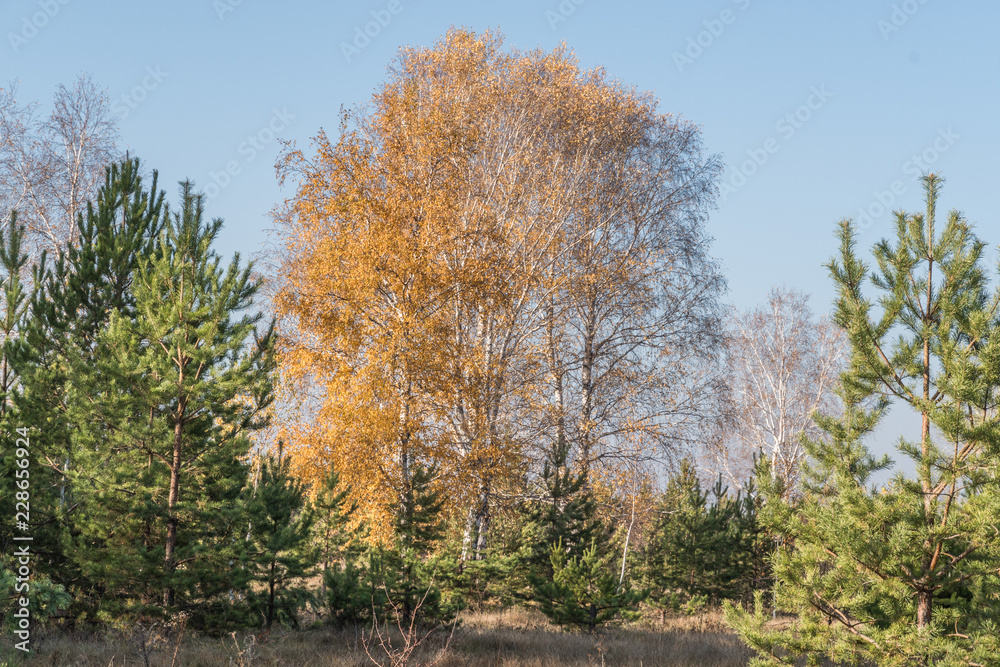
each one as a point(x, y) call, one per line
point(136, 363)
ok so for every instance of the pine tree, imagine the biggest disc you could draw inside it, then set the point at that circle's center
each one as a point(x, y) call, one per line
point(71, 303)
point(280, 530)
point(585, 590)
point(340, 553)
point(350, 588)
point(756, 544)
point(566, 551)
point(332, 514)
point(14, 304)
point(176, 388)
point(409, 568)
point(490, 579)
point(905, 574)
point(45, 598)
point(352, 568)
point(563, 513)
point(699, 550)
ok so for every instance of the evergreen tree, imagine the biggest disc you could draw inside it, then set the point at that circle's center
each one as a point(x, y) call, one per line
point(280, 553)
point(405, 578)
point(16, 303)
point(175, 389)
point(45, 598)
point(585, 590)
point(756, 545)
point(332, 514)
point(905, 574)
point(350, 589)
point(408, 571)
point(700, 548)
point(340, 553)
point(71, 304)
point(564, 513)
point(490, 579)
point(565, 550)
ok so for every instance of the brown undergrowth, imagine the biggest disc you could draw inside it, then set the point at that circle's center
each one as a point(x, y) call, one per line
point(511, 638)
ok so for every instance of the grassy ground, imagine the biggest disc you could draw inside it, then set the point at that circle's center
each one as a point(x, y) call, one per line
point(516, 638)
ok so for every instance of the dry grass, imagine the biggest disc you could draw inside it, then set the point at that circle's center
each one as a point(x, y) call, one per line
point(515, 638)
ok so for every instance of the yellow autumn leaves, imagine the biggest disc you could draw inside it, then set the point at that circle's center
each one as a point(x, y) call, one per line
point(442, 264)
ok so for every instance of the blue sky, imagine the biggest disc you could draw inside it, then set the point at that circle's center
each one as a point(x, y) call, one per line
point(820, 110)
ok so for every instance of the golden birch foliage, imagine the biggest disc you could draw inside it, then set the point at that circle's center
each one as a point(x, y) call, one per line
point(422, 248)
point(368, 234)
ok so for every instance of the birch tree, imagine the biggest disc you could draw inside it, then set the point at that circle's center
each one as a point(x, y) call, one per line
point(51, 166)
point(441, 192)
point(435, 245)
point(635, 322)
point(783, 365)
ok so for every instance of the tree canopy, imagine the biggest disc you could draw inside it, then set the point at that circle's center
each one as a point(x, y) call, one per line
point(500, 253)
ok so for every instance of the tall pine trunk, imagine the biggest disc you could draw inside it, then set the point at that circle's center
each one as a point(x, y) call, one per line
point(172, 522)
point(924, 598)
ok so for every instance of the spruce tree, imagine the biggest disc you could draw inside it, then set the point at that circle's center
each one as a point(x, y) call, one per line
point(905, 574)
point(176, 387)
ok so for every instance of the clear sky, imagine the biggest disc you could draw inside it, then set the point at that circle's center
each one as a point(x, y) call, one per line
point(820, 110)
